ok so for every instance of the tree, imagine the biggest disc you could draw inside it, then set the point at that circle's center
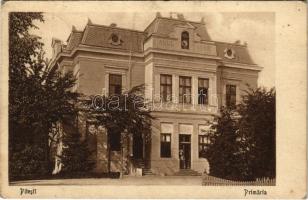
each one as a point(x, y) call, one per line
point(225, 149)
point(258, 126)
point(39, 95)
point(243, 138)
point(124, 113)
point(76, 154)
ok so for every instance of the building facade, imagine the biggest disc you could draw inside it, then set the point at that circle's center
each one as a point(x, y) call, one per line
point(187, 77)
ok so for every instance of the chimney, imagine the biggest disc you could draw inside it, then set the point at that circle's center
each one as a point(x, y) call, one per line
point(237, 42)
point(202, 20)
point(74, 28)
point(89, 21)
point(56, 45)
point(180, 16)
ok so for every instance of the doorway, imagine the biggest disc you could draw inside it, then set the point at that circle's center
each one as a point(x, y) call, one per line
point(185, 151)
point(137, 146)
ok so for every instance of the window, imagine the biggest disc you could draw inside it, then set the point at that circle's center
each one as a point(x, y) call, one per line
point(203, 86)
point(203, 144)
point(185, 89)
point(185, 40)
point(114, 138)
point(165, 145)
point(115, 84)
point(230, 95)
point(184, 138)
point(165, 87)
point(114, 38)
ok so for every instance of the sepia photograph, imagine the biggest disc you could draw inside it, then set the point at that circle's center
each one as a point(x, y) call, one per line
point(134, 98)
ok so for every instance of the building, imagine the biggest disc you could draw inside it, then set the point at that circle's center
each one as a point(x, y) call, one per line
point(188, 77)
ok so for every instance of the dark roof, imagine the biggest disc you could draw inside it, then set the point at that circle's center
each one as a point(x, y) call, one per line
point(74, 39)
point(241, 52)
point(164, 26)
point(99, 35)
point(132, 40)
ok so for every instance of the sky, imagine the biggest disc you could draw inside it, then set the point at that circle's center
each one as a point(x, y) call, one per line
point(255, 28)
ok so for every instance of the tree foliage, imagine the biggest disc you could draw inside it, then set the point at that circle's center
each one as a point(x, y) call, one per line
point(258, 126)
point(243, 139)
point(124, 113)
point(39, 94)
point(75, 155)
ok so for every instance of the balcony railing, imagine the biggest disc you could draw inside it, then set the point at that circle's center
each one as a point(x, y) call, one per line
point(204, 48)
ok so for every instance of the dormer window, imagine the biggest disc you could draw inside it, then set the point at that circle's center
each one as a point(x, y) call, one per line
point(115, 39)
point(185, 40)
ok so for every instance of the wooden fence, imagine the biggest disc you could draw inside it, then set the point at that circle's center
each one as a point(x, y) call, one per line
point(214, 181)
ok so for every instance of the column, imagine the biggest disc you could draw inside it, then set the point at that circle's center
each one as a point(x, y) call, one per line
point(213, 89)
point(156, 88)
point(194, 90)
point(175, 89)
point(107, 84)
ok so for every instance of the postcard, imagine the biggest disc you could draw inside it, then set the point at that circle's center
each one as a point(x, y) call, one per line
point(104, 99)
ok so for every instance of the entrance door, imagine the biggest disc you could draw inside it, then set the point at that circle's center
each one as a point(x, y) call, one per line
point(137, 147)
point(184, 151)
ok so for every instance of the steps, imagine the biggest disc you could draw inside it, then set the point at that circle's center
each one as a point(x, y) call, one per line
point(147, 172)
point(187, 172)
point(139, 163)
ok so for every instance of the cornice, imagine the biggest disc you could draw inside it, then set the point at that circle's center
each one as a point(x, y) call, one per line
point(179, 53)
point(253, 67)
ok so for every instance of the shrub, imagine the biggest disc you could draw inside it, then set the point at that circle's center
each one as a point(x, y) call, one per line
point(29, 162)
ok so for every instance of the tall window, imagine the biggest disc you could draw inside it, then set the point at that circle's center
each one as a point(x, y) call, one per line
point(230, 95)
point(203, 86)
point(185, 40)
point(165, 87)
point(115, 84)
point(203, 144)
point(114, 138)
point(185, 89)
point(165, 145)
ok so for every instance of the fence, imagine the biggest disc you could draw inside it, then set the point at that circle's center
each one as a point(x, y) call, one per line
point(214, 181)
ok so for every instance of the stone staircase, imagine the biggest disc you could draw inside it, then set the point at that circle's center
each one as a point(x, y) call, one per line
point(187, 172)
point(145, 171)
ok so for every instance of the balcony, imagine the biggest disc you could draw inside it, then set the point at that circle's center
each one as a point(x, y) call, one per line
point(197, 47)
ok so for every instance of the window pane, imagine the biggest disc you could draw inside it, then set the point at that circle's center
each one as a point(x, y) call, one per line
point(163, 79)
point(115, 79)
point(202, 82)
point(182, 81)
point(115, 84)
point(165, 145)
point(114, 140)
point(168, 138)
point(188, 82)
point(230, 95)
point(169, 80)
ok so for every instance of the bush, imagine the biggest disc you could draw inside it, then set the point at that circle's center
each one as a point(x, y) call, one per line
point(76, 155)
point(29, 162)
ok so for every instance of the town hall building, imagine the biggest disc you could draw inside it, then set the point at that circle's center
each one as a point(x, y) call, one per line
point(186, 74)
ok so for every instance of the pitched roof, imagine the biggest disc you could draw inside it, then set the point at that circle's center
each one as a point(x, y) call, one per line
point(164, 26)
point(100, 35)
point(132, 40)
point(241, 54)
point(74, 39)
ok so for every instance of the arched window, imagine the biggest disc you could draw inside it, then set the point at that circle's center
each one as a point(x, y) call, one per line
point(185, 40)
